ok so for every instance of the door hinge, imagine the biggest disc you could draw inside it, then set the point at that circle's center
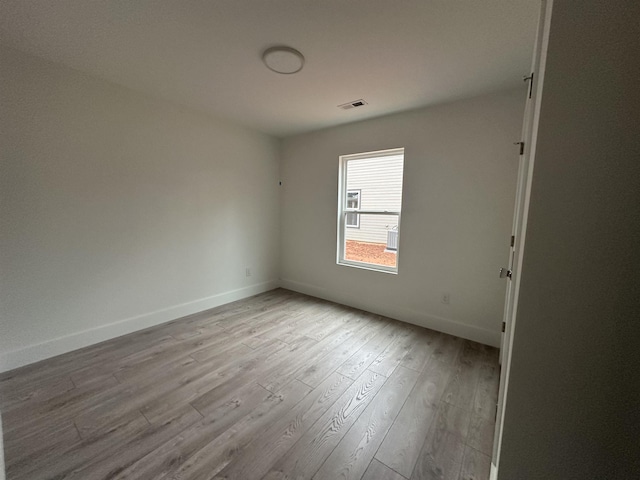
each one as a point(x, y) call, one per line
point(504, 327)
point(530, 80)
point(513, 240)
point(521, 146)
point(504, 273)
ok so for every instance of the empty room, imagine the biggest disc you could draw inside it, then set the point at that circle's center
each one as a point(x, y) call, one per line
point(294, 239)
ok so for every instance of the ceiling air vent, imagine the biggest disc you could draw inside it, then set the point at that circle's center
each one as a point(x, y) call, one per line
point(353, 104)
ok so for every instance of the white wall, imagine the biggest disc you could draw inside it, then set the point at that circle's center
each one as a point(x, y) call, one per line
point(121, 208)
point(459, 185)
point(574, 389)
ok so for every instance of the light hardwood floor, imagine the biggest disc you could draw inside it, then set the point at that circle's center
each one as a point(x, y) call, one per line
point(277, 386)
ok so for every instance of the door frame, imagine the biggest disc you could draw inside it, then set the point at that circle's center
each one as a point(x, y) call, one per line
point(521, 211)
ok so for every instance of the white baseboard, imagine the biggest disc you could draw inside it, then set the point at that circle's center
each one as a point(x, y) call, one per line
point(74, 341)
point(470, 332)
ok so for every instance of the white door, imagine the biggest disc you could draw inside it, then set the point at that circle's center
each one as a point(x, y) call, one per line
point(511, 272)
point(508, 272)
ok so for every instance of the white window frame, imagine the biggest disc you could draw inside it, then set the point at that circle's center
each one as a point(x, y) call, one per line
point(342, 211)
point(352, 210)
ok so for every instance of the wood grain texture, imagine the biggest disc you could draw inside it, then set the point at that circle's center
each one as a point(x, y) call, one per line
point(218, 453)
point(268, 447)
point(475, 466)
point(480, 434)
point(379, 471)
point(351, 457)
point(420, 352)
point(117, 456)
point(443, 450)
point(319, 370)
point(390, 358)
point(308, 454)
point(360, 360)
point(276, 386)
point(169, 456)
point(462, 386)
point(485, 402)
point(402, 444)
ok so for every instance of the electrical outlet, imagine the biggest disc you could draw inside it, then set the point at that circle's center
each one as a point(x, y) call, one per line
point(248, 272)
point(445, 298)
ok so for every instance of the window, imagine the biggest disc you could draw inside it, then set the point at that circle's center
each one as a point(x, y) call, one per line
point(369, 206)
point(353, 203)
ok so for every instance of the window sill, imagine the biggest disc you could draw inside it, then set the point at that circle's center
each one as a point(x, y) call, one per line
point(366, 266)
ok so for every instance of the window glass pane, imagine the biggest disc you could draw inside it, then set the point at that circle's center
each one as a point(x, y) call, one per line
point(375, 241)
point(380, 181)
point(353, 199)
point(370, 182)
point(353, 219)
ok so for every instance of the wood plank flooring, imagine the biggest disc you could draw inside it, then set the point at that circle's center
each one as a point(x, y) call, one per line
point(277, 386)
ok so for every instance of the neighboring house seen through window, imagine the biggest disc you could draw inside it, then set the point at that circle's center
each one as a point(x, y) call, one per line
point(369, 206)
point(353, 203)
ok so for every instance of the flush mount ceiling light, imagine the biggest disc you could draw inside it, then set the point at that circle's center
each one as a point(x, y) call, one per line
point(285, 60)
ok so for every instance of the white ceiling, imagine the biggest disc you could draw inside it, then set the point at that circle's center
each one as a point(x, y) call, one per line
point(205, 54)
